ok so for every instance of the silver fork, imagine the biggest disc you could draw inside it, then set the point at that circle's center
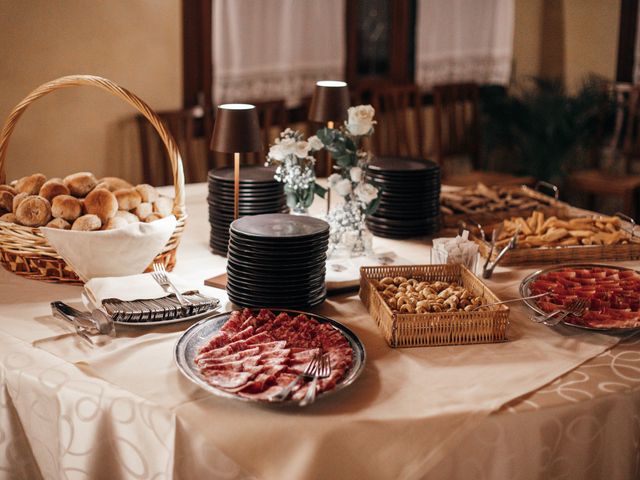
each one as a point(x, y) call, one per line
point(159, 274)
point(576, 307)
point(323, 371)
point(309, 372)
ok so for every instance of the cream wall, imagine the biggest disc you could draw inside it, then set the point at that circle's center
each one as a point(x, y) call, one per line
point(588, 37)
point(136, 43)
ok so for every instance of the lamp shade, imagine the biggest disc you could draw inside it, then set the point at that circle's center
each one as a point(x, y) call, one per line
point(330, 102)
point(237, 129)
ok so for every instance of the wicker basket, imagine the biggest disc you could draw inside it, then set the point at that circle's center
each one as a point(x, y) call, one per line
point(24, 250)
point(535, 256)
point(546, 204)
point(431, 329)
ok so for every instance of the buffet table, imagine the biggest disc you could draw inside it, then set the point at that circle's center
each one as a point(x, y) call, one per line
point(549, 403)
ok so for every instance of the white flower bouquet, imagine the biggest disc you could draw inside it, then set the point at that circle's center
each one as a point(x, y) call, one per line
point(295, 164)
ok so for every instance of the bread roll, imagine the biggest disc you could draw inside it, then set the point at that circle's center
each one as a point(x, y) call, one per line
point(128, 198)
point(8, 188)
point(52, 188)
point(6, 201)
point(128, 216)
point(80, 184)
point(115, 222)
point(102, 203)
point(34, 211)
point(17, 200)
point(143, 210)
point(163, 206)
point(87, 223)
point(9, 217)
point(31, 184)
point(147, 192)
point(153, 217)
point(60, 223)
point(114, 183)
point(66, 207)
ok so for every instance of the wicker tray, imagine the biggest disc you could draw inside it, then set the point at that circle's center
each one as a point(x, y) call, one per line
point(546, 204)
point(24, 250)
point(579, 253)
point(431, 329)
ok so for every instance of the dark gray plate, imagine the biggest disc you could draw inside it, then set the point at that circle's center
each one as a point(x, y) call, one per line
point(197, 335)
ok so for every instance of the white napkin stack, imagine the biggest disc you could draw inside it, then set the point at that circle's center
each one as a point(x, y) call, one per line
point(455, 250)
point(129, 288)
point(111, 253)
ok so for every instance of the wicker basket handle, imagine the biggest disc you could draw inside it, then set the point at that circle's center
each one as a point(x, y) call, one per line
point(116, 90)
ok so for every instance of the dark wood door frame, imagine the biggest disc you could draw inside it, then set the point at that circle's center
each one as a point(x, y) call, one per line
point(197, 60)
point(627, 40)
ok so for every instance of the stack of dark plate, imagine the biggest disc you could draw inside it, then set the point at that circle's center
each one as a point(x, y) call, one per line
point(410, 199)
point(277, 261)
point(259, 193)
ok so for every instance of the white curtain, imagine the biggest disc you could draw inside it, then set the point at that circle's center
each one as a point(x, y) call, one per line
point(275, 49)
point(464, 41)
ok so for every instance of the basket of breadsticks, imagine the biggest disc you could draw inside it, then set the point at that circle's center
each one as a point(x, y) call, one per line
point(573, 235)
point(429, 305)
point(484, 204)
point(71, 228)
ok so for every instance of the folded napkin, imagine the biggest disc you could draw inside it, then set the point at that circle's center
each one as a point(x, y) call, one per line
point(344, 272)
point(129, 288)
point(111, 253)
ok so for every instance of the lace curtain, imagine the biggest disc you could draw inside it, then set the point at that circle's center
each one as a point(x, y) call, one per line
point(275, 49)
point(464, 41)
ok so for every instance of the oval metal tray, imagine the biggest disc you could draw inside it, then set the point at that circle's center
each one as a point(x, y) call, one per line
point(197, 335)
point(525, 291)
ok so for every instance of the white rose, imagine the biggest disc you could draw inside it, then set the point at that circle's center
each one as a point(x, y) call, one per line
point(366, 192)
point(356, 174)
point(315, 142)
point(277, 152)
point(343, 187)
point(288, 146)
point(301, 149)
point(333, 179)
point(360, 119)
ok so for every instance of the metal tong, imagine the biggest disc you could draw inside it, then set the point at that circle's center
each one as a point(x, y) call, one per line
point(490, 265)
point(95, 323)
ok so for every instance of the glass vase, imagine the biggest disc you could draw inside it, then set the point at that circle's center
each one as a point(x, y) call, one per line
point(349, 235)
point(300, 199)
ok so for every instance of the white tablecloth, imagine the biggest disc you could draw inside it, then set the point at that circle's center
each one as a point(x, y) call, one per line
point(516, 410)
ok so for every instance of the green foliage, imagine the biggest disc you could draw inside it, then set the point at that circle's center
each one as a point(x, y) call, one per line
point(543, 126)
point(319, 190)
point(341, 147)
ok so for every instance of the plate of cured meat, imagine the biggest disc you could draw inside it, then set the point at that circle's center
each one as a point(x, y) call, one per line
point(613, 295)
point(251, 355)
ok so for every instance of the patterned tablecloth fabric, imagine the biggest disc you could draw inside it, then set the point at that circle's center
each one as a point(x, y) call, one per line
point(550, 403)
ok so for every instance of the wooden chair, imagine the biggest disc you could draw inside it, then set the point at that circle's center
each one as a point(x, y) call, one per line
point(457, 138)
point(191, 128)
point(400, 128)
point(600, 181)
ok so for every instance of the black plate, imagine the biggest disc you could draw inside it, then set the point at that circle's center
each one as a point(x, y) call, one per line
point(269, 303)
point(402, 223)
point(258, 263)
point(272, 275)
point(275, 293)
point(269, 244)
point(229, 194)
point(280, 226)
point(293, 286)
point(282, 254)
point(401, 164)
point(216, 208)
point(248, 174)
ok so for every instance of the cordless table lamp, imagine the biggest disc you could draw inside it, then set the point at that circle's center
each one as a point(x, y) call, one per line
point(329, 106)
point(236, 131)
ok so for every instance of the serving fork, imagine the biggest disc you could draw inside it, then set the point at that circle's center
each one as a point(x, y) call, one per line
point(323, 371)
point(159, 274)
point(576, 308)
point(309, 372)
